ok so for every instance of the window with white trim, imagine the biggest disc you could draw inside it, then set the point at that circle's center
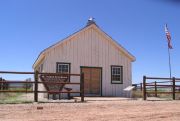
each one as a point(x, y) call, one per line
point(63, 68)
point(116, 74)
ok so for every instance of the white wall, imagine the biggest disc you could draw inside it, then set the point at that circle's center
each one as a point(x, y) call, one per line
point(91, 48)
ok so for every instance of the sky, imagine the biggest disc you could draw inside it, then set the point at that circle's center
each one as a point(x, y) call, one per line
point(29, 26)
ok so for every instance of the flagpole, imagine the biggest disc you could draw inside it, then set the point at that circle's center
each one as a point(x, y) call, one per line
point(169, 62)
point(169, 47)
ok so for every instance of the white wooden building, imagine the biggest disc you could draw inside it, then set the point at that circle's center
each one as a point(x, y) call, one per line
point(107, 65)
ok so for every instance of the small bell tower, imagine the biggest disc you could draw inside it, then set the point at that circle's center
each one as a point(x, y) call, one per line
point(90, 21)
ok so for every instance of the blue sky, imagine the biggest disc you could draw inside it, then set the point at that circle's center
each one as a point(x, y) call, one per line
point(29, 26)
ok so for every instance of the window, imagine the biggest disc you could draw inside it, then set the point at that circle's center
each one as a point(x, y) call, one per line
point(116, 74)
point(63, 68)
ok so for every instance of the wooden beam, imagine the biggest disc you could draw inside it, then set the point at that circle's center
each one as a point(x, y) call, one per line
point(141, 86)
point(47, 82)
point(159, 78)
point(152, 85)
point(82, 87)
point(155, 89)
point(59, 74)
point(153, 92)
point(16, 91)
point(36, 86)
point(57, 92)
point(27, 91)
point(144, 87)
point(30, 82)
point(174, 89)
point(15, 72)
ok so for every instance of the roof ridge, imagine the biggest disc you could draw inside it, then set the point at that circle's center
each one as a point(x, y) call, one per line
point(92, 22)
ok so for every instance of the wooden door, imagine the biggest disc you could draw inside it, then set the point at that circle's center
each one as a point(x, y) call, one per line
point(92, 80)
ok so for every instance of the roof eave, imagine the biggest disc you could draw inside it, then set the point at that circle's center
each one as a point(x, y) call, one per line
point(42, 54)
point(120, 46)
point(39, 59)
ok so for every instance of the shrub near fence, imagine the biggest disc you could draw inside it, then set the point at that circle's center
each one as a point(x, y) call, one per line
point(0, 83)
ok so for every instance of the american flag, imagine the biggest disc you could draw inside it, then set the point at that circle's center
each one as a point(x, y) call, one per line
point(168, 35)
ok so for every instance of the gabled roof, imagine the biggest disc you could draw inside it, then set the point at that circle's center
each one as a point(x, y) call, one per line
point(91, 24)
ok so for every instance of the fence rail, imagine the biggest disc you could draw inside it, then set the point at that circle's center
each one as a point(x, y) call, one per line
point(4, 85)
point(36, 82)
point(171, 84)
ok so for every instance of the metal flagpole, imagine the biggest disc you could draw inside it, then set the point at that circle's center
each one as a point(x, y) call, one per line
point(169, 63)
point(169, 47)
point(169, 54)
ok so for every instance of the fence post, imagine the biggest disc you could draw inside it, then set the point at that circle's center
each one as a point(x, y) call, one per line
point(141, 86)
point(0, 83)
point(155, 86)
point(144, 87)
point(36, 86)
point(82, 87)
point(174, 88)
point(6, 86)
point(3, 84)
point(26, 86)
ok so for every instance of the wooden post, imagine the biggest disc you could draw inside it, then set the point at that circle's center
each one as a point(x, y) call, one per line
point(69, 95)
point(174, 88)
point(3, 84)
point(54, 96)
point(6, 86)
point(0, 83)
point(36, 86)
point(48, 96)
point(82, 87)
point(155, 86)
point(26, 86)
point(141, 86)
point(144, 87)
point(59, 96)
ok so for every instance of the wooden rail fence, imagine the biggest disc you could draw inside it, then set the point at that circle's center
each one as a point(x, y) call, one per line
point(3, 86)
point(138, 86)
point(36, 82)
point(152, 87)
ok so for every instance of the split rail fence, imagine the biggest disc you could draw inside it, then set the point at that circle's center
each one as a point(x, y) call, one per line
point(170, 86)
point(36, 82)
point(3, 86)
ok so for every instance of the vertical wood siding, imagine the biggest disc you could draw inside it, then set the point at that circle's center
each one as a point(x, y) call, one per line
point(91, 48)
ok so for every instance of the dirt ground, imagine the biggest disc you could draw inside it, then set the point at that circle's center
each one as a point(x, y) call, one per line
point(94, 109)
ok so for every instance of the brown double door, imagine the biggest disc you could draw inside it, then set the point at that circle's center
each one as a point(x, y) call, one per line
point(92, 81)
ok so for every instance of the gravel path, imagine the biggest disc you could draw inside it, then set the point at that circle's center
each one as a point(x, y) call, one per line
point(95, 109)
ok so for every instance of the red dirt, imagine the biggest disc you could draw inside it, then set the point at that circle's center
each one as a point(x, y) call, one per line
point(100, 110)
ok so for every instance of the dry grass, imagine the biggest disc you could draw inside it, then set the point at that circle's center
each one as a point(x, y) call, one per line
point(14, 98)
point(139, 94)
point(95, 109)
